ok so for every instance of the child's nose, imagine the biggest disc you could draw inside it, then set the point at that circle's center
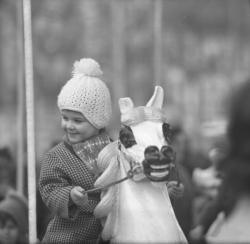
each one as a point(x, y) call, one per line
point(70, 125)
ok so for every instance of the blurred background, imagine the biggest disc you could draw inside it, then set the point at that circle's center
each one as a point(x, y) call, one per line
point(198, 50)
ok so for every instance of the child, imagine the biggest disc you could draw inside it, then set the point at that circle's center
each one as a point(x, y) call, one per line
point(69, 168)
point(13, 219)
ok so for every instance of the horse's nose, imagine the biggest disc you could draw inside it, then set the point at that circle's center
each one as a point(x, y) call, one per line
point(157, 163)
point(165, 155)
point(168, 153)
point(152, 153)
point(155, 166)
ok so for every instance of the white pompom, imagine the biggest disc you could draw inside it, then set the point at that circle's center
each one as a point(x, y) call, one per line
point(87, 67)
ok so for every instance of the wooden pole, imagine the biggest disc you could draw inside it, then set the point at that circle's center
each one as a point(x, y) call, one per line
point(30, 120)
point(20, 102)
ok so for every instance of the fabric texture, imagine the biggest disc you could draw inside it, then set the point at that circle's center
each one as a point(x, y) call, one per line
point(61, 170)
point(87, 151)
point(86, 93)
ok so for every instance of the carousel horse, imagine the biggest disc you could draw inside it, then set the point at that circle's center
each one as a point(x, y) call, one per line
point(138, 209)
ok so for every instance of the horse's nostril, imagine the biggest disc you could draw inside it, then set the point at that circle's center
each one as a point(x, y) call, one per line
point(157, 164)
point(168, 152)
point(151, 149)
point(151, 152)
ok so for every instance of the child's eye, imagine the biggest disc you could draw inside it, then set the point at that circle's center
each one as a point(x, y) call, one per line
point(78, 121)
point(64, 118)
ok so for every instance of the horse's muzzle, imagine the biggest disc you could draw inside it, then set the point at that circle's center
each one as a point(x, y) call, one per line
point(158, 164)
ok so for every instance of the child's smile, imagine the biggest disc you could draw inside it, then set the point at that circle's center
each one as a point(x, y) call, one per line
point(76, 126)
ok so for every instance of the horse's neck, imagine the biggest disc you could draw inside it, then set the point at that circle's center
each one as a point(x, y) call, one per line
point(142, 212)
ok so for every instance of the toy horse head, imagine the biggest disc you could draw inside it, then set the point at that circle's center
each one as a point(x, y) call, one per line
point(145, 136)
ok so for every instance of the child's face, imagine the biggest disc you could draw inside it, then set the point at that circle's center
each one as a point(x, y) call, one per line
point(9, 232)
point(76, 126)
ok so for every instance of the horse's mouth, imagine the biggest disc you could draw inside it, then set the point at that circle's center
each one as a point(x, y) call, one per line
point(157, 173)
point(156, 164)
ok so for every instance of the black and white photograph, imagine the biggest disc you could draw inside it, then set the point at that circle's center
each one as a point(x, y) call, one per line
point(125, 121)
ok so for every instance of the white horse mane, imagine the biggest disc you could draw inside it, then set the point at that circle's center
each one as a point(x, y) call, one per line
point(138, 210)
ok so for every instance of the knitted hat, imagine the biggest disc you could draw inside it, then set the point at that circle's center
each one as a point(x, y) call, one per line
point(86, 93)
point(17, 207)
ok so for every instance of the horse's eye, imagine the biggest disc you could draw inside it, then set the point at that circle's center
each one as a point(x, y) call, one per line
point(167, 132)
point(126, 136)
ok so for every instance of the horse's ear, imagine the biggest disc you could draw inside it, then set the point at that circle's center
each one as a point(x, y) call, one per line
point(157, 99)
point(125, 104)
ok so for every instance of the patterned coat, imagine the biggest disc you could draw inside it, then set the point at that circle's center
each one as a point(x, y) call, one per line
point(61, 170)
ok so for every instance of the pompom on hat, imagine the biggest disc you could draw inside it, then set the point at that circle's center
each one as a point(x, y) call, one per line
point(86, 93)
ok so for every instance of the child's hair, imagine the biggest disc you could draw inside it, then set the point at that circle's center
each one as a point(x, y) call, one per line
point(86, 93)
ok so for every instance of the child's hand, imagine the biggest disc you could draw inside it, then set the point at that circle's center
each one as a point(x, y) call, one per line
point(174, 189)
point(78, 196)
